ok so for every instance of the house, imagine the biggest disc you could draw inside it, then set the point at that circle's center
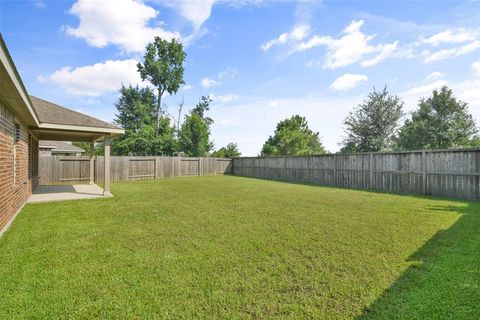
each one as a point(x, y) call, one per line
point(58, 148)
point(24, 121)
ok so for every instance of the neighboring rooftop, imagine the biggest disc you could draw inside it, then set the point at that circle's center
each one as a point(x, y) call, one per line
point(49, 112)
point(59, 146)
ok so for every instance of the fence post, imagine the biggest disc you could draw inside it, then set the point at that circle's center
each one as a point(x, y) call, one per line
point(335, 169)
point(308, 169)
point(424, 174)
point(92, 163)
point(254, 167)
point(477, 171)
point(179, 160)
point(199, 166)
point(284, 168)
point(371, 170)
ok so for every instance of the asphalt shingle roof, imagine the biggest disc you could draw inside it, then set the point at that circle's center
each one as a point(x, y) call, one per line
point(59, 146)
point(49, 112)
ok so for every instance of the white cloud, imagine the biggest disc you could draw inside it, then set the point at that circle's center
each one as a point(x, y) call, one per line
point(198, 11)
point(207, 83)
point(452, 52)
point(187, 87)
point(121, 22)
point(348, 81)
point(449, 36)
point(296, 34)
point(435, 75)
point(426, 89)
point(386, 51)
point(314, 41)
point(350, 48)
point(222, 99)
point(476, 68)
point(195, 11)
point(94, 80)
point(229, 72)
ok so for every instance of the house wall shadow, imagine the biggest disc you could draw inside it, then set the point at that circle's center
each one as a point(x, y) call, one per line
point(444, 280)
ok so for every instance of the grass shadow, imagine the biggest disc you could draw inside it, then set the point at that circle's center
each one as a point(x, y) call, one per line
point(443, 281)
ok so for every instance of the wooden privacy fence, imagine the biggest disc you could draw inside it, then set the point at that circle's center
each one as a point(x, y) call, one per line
point(70, 170)
point(446, 173)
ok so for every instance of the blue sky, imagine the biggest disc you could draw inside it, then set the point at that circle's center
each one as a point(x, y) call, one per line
point(261, 61)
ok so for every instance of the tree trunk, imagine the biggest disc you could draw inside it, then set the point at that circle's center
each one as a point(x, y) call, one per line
point(159, 106)
point(179, 116)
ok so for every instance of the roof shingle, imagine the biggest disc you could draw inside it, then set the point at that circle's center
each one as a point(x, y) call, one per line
point(49, 112)
point(59, 146)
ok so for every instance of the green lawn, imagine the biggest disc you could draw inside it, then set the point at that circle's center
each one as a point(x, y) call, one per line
point(234, 248)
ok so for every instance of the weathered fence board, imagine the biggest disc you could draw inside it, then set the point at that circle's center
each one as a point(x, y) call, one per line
point(73, 170)
point(445, 173)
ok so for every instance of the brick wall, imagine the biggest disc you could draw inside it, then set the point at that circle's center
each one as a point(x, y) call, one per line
point(16, 180)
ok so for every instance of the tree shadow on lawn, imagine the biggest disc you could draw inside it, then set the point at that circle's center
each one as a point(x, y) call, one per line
point(444, 280)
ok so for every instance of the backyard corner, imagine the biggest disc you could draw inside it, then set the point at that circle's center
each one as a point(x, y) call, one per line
point(231, 247)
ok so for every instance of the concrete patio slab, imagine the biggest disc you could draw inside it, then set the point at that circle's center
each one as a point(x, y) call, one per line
point(63, 193)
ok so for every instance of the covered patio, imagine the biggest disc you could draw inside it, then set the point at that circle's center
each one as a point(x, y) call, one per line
point(62, 124)
point(69, 192)
point(24, 120)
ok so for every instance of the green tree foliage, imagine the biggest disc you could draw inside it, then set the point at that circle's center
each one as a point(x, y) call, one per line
point(135, 108)
point(373, 125)
point(163, 67)
point(440, 122)
point(230, 151)
point(194, 134)
point(136, 114)
point(293, 137)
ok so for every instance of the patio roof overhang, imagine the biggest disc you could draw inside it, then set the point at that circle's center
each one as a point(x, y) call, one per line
point(49, 131)
point(12, 90)
point(47, 120)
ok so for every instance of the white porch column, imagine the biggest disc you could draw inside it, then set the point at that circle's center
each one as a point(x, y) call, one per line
point(92, 163)
point(106, 174)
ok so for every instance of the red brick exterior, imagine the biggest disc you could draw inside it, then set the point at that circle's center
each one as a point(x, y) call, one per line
point(18, 164)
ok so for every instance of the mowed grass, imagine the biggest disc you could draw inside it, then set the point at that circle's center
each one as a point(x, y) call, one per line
point(237, 248)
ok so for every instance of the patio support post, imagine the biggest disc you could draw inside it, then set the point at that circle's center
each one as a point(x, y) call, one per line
point(106, 174)
point(92, 163)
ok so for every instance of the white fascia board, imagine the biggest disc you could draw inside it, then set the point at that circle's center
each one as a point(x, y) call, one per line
point(81, 128)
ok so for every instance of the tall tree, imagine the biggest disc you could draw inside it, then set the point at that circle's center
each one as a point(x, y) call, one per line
point(194, 135)
point(135, 108)
point(440, 122)
point(293, 137)
point(136, 114)
point(373, 125)
point(163, 68)
point(230, 151)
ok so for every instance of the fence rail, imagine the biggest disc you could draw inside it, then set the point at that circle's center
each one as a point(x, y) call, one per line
point(445, 173)
point(69, 170)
